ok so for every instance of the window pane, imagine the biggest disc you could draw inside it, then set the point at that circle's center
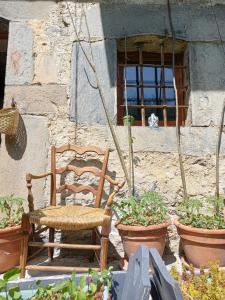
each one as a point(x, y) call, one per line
point(133, 111)
point(130, 73)
point(157, 111)
point(149, 76)
point(171, 114)
point(170, 96)
point(132, 95)
point(152, 96)
point(168, 76)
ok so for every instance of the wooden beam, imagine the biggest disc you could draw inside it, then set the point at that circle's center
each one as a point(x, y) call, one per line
point(157, 106)
point(153, 65)
point(3, 36)
point(142, 83)
point(66, 246)
point(163, 83)
point(155, 86)
point(59, 268)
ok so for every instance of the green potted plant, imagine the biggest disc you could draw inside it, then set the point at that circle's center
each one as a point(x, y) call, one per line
point(92, 286)
point(11, 211)
point(206, 285)
point(201, 227)
point(143, 220)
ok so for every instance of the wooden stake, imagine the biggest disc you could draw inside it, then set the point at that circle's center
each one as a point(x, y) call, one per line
point(218, 154)
point(65, 246)
point(183, 179)
point(182, 173)
point(102, 97)
point(142, 82)
point(60, 269)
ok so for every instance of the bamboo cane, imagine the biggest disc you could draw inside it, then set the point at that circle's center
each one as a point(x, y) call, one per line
point(183, 179)
point(102, 97)
point(218, 154)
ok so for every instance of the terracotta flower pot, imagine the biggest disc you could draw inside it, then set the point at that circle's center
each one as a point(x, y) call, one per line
point(153, 236)
point(202, 245)
point(10, 239)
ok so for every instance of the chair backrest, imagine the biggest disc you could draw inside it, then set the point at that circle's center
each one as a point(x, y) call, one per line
point(79, 171)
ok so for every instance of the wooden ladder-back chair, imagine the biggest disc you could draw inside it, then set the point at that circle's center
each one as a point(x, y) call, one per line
point(70, 217)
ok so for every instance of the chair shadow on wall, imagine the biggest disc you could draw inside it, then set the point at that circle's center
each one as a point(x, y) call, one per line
point(84, 236)
point(16, 145)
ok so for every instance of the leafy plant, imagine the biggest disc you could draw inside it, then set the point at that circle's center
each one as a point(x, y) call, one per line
point(208, 285)
point(11, 211)
point(90, 287)
point(14, 292)
point(202, 213)
point(147, 210)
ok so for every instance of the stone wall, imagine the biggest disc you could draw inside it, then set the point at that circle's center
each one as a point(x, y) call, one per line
point(45, 74)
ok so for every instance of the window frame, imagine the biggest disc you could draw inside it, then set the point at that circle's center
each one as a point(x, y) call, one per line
point(155, 60)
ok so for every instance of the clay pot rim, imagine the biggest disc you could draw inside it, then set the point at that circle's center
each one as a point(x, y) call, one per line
point(124, 227)
point(198, 230)
point(11, 229)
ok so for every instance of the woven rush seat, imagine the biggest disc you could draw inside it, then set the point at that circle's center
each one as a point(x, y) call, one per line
point(70, 217)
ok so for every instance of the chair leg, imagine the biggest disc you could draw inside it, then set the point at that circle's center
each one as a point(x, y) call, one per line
point(51, 240)
point(23, 254)
point(94, 241)
point(104, 252)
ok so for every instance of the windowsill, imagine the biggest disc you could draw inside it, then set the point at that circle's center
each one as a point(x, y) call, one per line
point(195, 141)
point(135, 126)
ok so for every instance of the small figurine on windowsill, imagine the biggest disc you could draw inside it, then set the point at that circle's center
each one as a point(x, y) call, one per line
point(153, 121)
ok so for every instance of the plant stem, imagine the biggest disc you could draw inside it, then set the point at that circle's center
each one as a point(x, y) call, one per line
point(102, 97)
point(131, 155)
point(129, 135)
point(179, 144)
point(218, 156)
point(183, 179)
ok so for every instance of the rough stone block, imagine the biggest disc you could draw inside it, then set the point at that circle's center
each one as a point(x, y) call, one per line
point(119, 20)
point(207, 83)
point(26, 152)
point(206, 67)
point(45, 71)
point(206, 107)
point(37, 99)
point(19, 69)
point(19, 10)
point(86, 105)
point(143, 17)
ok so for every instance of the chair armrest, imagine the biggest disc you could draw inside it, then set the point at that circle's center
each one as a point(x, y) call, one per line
point(117, 188)
point(30, 196)
point(30, 176)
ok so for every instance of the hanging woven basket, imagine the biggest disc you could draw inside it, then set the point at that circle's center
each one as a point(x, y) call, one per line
point(9, 120)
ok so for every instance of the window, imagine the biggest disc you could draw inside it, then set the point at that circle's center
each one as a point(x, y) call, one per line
point(149, 86)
